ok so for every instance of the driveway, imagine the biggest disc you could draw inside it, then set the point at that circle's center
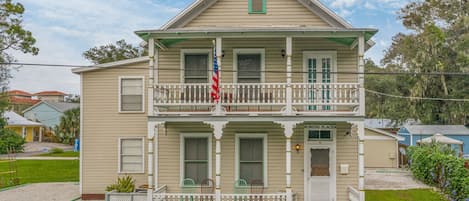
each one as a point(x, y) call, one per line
point(391, 179)
point(65, 191)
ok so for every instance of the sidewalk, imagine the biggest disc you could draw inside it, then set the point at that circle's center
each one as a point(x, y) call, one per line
point(64, 191)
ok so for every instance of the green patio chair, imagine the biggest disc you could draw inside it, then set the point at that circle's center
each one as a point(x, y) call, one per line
point(240, 187)
point(188, 186)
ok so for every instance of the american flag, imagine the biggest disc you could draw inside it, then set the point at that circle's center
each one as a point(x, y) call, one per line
point(215, 78)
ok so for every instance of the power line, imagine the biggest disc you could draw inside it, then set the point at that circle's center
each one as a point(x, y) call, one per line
point(418, 98)
point(264, 71)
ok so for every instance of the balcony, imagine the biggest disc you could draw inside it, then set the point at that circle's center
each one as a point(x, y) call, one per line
point(259, 99)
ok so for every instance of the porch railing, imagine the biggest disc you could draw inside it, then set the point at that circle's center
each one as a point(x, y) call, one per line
point(259, 97)
point(224, 197)
point(353, 194)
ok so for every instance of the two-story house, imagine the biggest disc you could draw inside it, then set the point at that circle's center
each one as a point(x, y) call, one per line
point(288, 122)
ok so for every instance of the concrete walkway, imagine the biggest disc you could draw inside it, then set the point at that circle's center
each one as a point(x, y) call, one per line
point(391, 179)
point(36, 148)
point(65, 191)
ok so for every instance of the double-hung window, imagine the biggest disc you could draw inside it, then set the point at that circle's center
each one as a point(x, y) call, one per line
point(131, 155)
point(131, 94)
point(196, 64)
point(249, 64)
point(195, 157)
point(251, 158)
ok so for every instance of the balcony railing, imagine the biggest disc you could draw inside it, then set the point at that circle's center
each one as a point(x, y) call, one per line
point(258, 98)
point(224, 197)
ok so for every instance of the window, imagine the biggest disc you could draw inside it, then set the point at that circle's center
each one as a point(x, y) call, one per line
point(320, 162)
point(257, 6)
point(251, 158)
point(320, 135)
point(131, 155)
point(195, 157)
point(131, 94)
point(249, 64)
point(196, 63)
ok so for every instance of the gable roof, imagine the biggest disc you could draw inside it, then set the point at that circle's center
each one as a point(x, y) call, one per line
point(385, 133)
point(199, 6)
point(433, 129)
point(14, 119)
point(59, 106)
point(28, 101)
point(110, 64)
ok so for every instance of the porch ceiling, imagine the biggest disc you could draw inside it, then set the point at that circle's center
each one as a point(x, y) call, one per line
point(305, 119)
point(173, 36)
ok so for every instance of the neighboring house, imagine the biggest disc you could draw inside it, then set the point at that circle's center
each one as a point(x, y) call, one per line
point(48, 112)
point(381, 149)
point(291, 134)
point(388, 124)
point(31, 131)
point(51, 96)
point(20, 100)
point(418, 132)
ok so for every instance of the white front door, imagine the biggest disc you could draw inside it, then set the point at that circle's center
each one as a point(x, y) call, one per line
point(320, 167)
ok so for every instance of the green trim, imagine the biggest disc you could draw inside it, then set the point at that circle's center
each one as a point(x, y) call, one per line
point(78, 198)
point(171, 42)
point(264, 7)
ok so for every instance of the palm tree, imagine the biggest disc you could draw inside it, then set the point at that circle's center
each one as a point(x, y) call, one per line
point(69, 126)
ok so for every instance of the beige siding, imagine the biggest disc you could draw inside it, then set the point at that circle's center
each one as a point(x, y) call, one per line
point(103, 125)
point(275, 65)
point(234, 13)
point(380, 153)
point(169, 156)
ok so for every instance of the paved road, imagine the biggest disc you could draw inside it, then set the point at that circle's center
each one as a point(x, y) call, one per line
point(391, 179)
point(65, 191)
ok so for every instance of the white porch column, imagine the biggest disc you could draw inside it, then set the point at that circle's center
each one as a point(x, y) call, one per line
point(151, 77)
point(40, 134)
point(152, 132)
point(360, 128)
point(23, 132)
point(219, 51)
point(289, 107)
point(361, 71)
point(217, 133)
point(288, 127)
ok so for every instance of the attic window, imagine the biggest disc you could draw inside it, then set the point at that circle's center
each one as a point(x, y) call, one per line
point(257, 6)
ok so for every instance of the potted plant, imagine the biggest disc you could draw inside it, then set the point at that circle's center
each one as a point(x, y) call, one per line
point(123, 189)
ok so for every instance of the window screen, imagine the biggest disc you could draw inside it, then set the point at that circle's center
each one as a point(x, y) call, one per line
point(131, 155)
point(196, 159)
point(196, 68)
point(251, 159)
point(131, 94)
point(249, 68)
point(320, 162)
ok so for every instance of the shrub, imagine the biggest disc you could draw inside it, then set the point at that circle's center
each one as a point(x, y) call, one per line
point(437, 165)
point(123, 185)
point(56, 151)
point(9, 139)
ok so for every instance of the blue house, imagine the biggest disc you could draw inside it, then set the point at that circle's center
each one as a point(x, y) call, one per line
point(48, 112)
point(412, 133)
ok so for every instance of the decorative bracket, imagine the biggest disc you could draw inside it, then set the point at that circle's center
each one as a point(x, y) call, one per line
point(288, 127)
point(152, 125)
point(218, 127)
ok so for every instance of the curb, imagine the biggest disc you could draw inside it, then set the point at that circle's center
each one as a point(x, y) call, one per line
point(12, 187)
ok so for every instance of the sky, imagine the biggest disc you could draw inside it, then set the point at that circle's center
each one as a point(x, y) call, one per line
point(65, 29)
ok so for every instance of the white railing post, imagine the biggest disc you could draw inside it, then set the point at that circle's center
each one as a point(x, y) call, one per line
point(288, 127)
point(217, 133)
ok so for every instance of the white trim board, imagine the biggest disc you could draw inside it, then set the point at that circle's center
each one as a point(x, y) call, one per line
point(182, 136)
point(119, 142)
point(119, 91)
point(385, 133)
point(110, 65)
point(265, 157)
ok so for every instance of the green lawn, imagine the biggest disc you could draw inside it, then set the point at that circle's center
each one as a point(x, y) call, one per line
point(404, 195)
point(64, 154)
point(36, 171)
